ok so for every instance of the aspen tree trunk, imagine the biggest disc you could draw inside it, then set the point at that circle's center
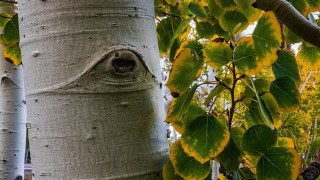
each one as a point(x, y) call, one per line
point(12, 117)
point(93, 87)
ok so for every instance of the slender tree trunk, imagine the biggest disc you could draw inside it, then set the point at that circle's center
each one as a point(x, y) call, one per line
point(12, 117)
point(93, 86)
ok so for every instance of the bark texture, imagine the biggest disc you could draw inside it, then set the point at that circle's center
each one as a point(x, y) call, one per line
point(93, 86)
point(287, 14)
point(12, 118)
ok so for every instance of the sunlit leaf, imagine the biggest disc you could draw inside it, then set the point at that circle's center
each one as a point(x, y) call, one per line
point(279, 163)
point(286, 65)
point(11, 30)
point(286, 93)
point(198, 10)
point(230, 157)
point(186, 166)
point(245, 57)
point(230, 19)
point(258, 139)
point(267, 38)
point(192, 113)
point(204, 138)
point(169, 173)
point(285, 142)
point(184, 70)
point(309, 56)
point(179, 106)
point(12, 54)
point(217, 54)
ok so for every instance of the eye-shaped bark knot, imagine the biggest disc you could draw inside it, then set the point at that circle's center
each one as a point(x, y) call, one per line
point(124, 62)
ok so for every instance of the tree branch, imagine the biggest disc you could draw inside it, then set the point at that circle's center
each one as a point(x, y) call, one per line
point(290, 17)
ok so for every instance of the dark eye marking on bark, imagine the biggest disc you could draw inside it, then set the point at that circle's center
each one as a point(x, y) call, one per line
point(122, 66)
point(124, 62)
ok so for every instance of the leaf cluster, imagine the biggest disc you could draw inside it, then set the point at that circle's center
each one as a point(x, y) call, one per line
point(256, 81)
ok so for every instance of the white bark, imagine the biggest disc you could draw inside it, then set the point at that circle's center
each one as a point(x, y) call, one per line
point(92, 73)
point(12, 118)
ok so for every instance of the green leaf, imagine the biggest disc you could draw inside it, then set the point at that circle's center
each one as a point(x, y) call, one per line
point(227, 4)
point(11, 31)
point(169, 173)
point(198, 10)
point(285, 142)
point(204, 138)
point(286, 65)
point(273, 109)
point(173, 50)
point(4, 18)
point(301, 5)
point(245, 57)
point(179, 106)
point(255, 113)
point(215, 9)
point(231, 157)
point(231, 19)
point(180, 29)
point(172, 2)
point(258, 139)
point(291, 37)
point(261, 85)
point(246, 174)
point(244, 3)
point(12, 54)
point(165, 29)
point(286, 93)
point(236, 134)
point(267, 38)
point(309, 56)
point(184, 70)
point(279, 163)
point(265, 113)
point(5, 4)
point(204, 30)
point(192, 113)
point(314, 5)
point(252, 14)
point(219, 31)
point(217, 54)
point(185, 166)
